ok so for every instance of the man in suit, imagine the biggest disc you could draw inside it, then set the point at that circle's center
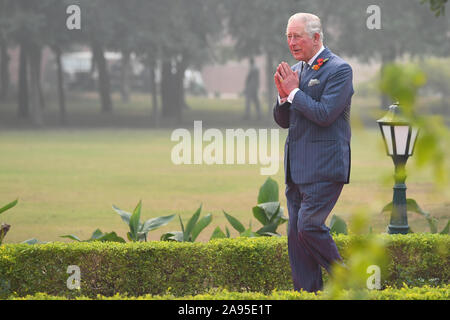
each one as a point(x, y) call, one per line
point(314, 105)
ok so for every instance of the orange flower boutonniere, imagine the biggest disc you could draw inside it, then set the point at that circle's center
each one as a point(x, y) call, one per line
point(320, 62)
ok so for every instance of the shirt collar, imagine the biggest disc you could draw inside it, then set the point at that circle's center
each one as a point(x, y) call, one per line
point(311, 61)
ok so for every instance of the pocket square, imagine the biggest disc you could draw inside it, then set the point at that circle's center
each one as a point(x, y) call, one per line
point(313, 82)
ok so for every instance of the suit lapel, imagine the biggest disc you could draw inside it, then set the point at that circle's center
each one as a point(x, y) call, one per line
point(310, 72)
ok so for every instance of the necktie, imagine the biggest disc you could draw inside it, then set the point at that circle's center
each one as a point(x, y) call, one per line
point(305, 67)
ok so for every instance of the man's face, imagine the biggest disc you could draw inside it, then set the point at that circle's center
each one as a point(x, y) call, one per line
point(301, 45)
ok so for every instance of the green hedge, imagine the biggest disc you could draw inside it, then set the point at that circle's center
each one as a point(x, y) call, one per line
point(405, 293)
point(158, 267)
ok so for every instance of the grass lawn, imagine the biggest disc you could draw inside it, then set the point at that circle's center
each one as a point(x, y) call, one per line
point(67, 179)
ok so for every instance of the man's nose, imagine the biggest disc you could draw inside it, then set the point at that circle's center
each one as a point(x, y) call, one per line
point(292, 41)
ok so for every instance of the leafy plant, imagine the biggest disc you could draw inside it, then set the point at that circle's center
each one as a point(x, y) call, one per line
point(98, 235)
point(413, 206)
point(34, 241)
point(338, 225)
point(219, 234)
point(239, 227)
point(192, 230)
point(138, 231)
point(4, 228)
point(268, 210)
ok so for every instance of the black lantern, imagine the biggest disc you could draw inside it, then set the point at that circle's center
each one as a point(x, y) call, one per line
point(399, 138)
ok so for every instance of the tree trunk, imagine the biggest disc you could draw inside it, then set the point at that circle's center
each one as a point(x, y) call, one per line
point(172, 90)
point(103, 80)
point(179, 80)
point(22, 92)
point(39, 82)
point(153, 90)
point(167, 88)
point(125, 72)
point(270, 86)
point(4, 71)
point(61, 92)
point(35, 101)
point(386, 58)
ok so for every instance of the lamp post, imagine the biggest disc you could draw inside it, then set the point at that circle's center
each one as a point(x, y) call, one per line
point(399, 139)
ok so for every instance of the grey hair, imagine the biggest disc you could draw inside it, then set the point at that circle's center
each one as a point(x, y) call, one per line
point(311, 21)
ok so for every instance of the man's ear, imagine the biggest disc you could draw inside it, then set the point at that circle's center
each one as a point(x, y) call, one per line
point(316, 37)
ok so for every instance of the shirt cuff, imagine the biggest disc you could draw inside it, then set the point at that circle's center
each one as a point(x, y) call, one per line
point(292, 94)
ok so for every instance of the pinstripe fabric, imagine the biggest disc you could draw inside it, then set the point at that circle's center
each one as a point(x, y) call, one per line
point(317, 164)
point(318, 144)
point(310, 244)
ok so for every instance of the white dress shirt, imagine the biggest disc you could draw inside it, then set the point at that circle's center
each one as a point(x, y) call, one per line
point(310, 62)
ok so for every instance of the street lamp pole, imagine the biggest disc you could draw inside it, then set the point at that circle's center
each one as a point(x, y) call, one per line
point(399, 138)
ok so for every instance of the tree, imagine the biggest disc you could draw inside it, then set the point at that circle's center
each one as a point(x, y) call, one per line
point(437, 6)
point(407, 28)
point(189, 32)
point(258, 27)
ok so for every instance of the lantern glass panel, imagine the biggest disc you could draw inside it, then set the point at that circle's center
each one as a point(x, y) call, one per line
point(388, 137)
point(401, 139)
point(413, 140)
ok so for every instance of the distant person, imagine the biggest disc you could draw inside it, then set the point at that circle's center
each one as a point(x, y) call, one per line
point(251, 90)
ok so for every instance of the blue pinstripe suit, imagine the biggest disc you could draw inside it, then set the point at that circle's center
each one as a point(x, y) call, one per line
point(317, 163)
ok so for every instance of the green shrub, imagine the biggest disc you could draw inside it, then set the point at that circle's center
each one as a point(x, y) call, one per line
point(184, 268)
point(404, 293)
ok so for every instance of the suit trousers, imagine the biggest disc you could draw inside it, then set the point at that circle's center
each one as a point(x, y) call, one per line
point(310, 244)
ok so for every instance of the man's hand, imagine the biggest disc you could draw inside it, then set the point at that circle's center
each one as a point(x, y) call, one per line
point(277, 78)
point(288, 78)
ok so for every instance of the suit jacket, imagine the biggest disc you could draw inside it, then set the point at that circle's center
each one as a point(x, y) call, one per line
point(317, 147)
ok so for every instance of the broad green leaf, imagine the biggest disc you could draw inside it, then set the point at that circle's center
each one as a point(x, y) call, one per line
point(172, 236)
point(191, 223)
point(8, 206)
point(217, 234)
point(96, 234)
point(181, 223)
point(123, 214)
point(268, 191)
point(154, 223)
point(202, 224)
point(270, 208)
point(338, 225)
point(260, 215)
point(227, 232)
point(72, 237)
point(270, 234)
point(446, 230)
point(269, 228)
point(33, 241)
point(134, 221)
point(234, 223)
point(249, 233)
point(111, 237)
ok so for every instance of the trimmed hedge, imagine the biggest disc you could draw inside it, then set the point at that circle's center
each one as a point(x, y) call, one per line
point(159, 267)
point(405, 293)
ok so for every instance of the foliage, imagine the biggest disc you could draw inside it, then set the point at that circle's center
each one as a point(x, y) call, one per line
point(138, 231)
point(97, 235)
point(364, 252)
point(338, 225)
point(4, 228)
point(192, 230)
point(184, 268)
point(267, 211)
point(401, 83)
point(404, 293)
point(437, 6)
point(412, 206)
